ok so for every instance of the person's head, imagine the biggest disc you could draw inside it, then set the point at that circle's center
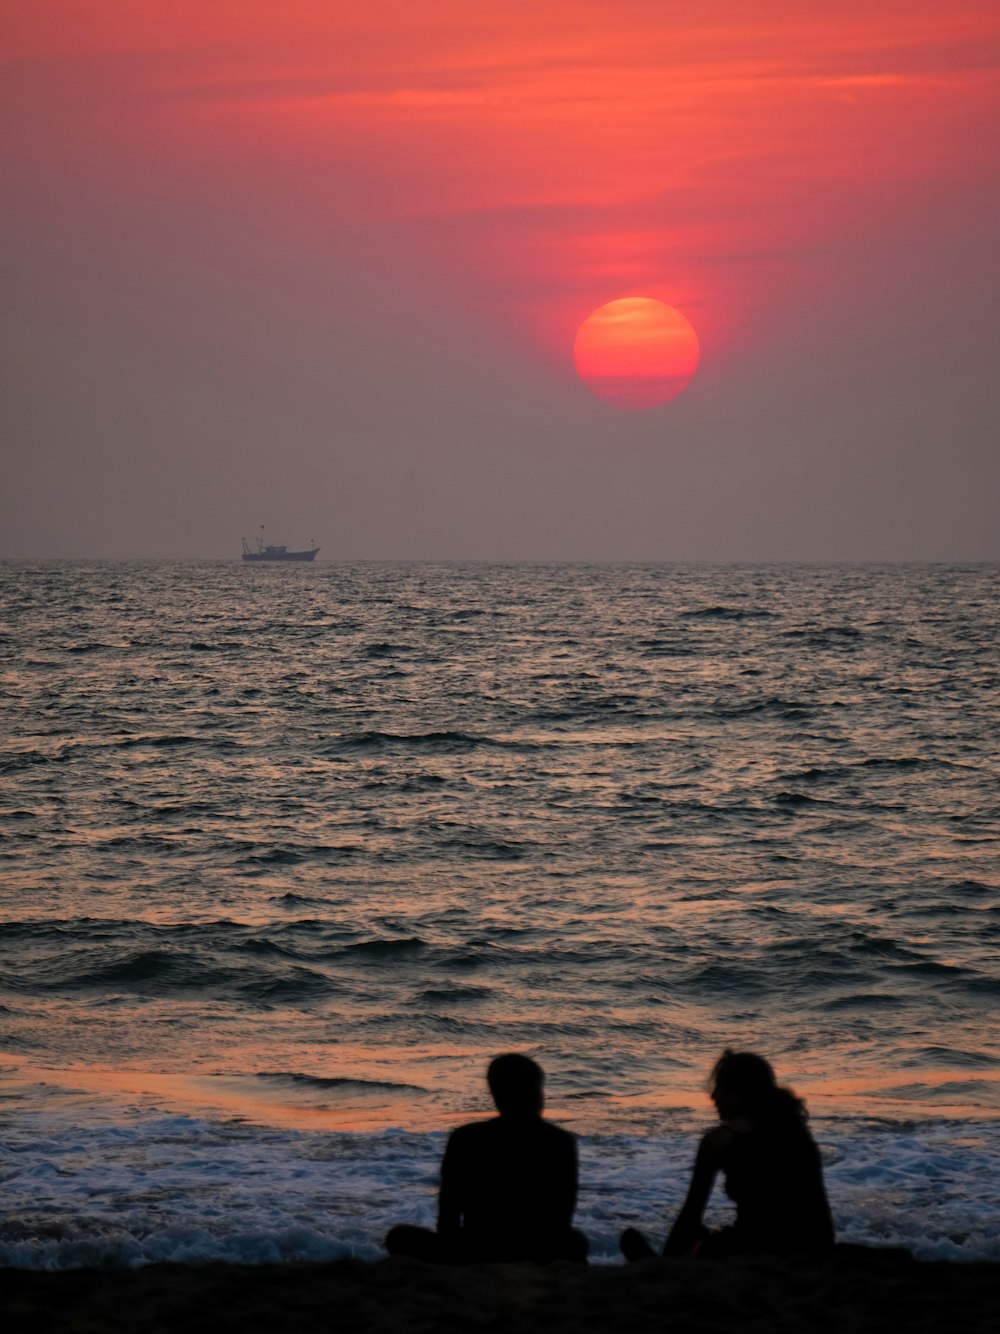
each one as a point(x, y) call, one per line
point(516, 1084)
point(743, 1083)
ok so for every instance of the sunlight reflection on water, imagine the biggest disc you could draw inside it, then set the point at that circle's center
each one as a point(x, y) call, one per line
point(381, 821)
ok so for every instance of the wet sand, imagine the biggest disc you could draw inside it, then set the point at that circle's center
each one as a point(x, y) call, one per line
point(853, 1290)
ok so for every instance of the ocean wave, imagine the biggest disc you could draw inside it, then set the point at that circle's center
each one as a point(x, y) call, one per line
point(143, 1239)
point(14, 762)
point(983, 985)
point(484, 849)
point(724, 613)
point(143, 1189)
point(387, 947)
point(868, 1002)
point(293, 899)
point(200, 969)
point(384, 649)
point(973, 889)
point(727, 979)
point(824, 636)
point(475, 613)
point(927, 968)
point(664, 648)
point(337, 1083)
point(895, 762)
point(276, 857)
point(723, 707)
point(785, 798)
point(39, 929)
point(161, 741)
point(448, 742)
point(286, 854)
point(154, 969)
point(938, 1057)
point(450, 995)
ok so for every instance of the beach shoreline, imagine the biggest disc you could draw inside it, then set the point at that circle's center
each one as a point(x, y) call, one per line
point(854, 1289)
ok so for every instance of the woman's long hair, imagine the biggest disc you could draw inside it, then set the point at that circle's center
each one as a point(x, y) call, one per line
point(751, 1079)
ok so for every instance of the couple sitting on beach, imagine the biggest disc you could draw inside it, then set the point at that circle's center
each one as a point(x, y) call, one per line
point(508, 1185)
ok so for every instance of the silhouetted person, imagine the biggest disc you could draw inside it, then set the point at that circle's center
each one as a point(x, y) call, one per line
point(771, 1167)
point(508, 1185)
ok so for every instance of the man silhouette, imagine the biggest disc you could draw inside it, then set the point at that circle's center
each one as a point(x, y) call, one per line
point(508, 1185)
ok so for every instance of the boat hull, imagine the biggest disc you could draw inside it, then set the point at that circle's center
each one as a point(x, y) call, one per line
point(280, 555)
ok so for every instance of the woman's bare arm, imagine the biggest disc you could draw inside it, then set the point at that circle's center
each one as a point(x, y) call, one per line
point(688, 1228)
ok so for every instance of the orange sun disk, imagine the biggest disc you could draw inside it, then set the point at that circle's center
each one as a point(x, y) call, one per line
point(636, 352)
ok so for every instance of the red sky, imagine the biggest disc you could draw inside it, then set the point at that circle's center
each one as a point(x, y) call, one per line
point(257, 256)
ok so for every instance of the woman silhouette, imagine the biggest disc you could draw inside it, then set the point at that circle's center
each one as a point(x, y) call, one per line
point(771, 1166)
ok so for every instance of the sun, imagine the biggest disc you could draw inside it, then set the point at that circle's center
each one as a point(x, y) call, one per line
point(636, 352)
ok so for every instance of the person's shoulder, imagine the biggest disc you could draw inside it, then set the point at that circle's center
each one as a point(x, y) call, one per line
point(717, 1141)
point(515, 1129)
point(474, 1130)
point(554, 1132)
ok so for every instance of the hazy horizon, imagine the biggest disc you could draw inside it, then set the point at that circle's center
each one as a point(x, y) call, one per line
point(639, 561)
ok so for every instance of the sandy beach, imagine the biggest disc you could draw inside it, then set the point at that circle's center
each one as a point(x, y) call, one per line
point(852, 1290)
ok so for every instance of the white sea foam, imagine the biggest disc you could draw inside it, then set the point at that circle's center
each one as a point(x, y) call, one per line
point(186, 1189)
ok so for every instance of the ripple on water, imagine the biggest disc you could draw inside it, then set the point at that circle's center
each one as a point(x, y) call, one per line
point(620, 816)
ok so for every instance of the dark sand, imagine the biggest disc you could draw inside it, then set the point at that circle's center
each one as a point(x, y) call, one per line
point(851, 1291)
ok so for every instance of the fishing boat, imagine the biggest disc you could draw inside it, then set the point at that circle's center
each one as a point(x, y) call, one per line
point(268, 551)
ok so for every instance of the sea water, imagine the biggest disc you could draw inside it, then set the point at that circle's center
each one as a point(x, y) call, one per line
point(288, 853)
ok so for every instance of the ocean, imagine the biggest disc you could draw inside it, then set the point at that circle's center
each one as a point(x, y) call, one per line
point(289, 852)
